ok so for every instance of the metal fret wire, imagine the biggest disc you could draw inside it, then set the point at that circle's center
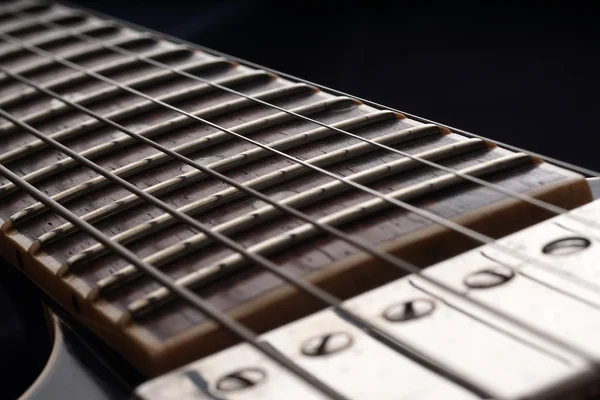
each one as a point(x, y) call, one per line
point(465, 231)
point(200, 303)
point(528, 199)
point(115, 20)
point(204, 306)
point(308, 288)
point(476, 236)
point(302, 285)
point(392, 260)
point(112, 178)
point(118, 21)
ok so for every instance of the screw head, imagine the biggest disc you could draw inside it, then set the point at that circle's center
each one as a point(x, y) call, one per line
point(240, 379)
point(489, 277)
point(409, 310)
point(326, 344)
point(566, 246)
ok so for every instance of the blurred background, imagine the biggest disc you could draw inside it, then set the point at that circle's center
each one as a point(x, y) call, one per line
point(524, 73)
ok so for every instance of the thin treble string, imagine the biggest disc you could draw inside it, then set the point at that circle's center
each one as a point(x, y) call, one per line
point(550, 160)
point(254, 257)
point(556, 210)
point(304, 286)
point(389, 259)
point(474, 235)
point(182, 292)
point(196, 46)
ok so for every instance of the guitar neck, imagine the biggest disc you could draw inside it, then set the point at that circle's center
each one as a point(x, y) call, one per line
point(177, 202)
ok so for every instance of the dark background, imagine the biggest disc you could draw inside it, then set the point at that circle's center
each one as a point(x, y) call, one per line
point(523, 73)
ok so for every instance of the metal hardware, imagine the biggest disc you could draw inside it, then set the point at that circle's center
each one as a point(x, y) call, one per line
point(489, 277)
point(566, 246)
point(241, 379)
point(327, 344)
point(409, 310)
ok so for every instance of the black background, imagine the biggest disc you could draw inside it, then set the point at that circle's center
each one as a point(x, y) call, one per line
point(524, 73)
point(520, 72)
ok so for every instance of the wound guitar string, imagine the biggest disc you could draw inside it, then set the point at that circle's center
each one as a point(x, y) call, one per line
point(186, 293)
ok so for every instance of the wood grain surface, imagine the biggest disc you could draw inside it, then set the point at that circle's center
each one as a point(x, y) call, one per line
point(174, 333)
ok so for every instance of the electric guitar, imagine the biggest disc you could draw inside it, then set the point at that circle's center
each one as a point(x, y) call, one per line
point(203, 228)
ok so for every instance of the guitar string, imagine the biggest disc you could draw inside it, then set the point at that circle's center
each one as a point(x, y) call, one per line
point(550, 160)
point(164, 36)
point(456, 227)
point(238, 329)
point(392, 260)
point(474, 235)
point(116, 22)
point(520, 196)
point(308, 288)
point(193, 299)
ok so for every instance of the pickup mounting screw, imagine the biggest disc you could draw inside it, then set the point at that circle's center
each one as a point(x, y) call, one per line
point(409, 310)
point(327, 344)
point(566, 246)
point(241, 379)
point(489, 277)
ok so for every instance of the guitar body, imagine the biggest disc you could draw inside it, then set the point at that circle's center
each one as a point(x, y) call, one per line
point(72, 362)
point(73, 371)
point(74, 367)
point(182, 225)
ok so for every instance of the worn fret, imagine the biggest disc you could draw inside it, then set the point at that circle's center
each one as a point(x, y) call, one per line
point(74, 55)
point(161, 128)
point(142, 106)
point(360, 368)
point(279, 243)
point(22, 56)
point(137, 109)
point(319, 193)
point(91, 29)
point(193, 176)
point(47, 71)
point(77, 77)
point(32, 8)
point(114, 297)
point(23, 27)
point(228, 195)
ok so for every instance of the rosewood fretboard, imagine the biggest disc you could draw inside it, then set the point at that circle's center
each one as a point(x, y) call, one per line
point(132, 312)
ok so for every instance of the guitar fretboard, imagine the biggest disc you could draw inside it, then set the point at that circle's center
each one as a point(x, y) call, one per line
point(153, 328)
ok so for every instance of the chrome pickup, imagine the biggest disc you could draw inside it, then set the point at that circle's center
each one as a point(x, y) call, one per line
point(518, 318)
point(331, 349)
